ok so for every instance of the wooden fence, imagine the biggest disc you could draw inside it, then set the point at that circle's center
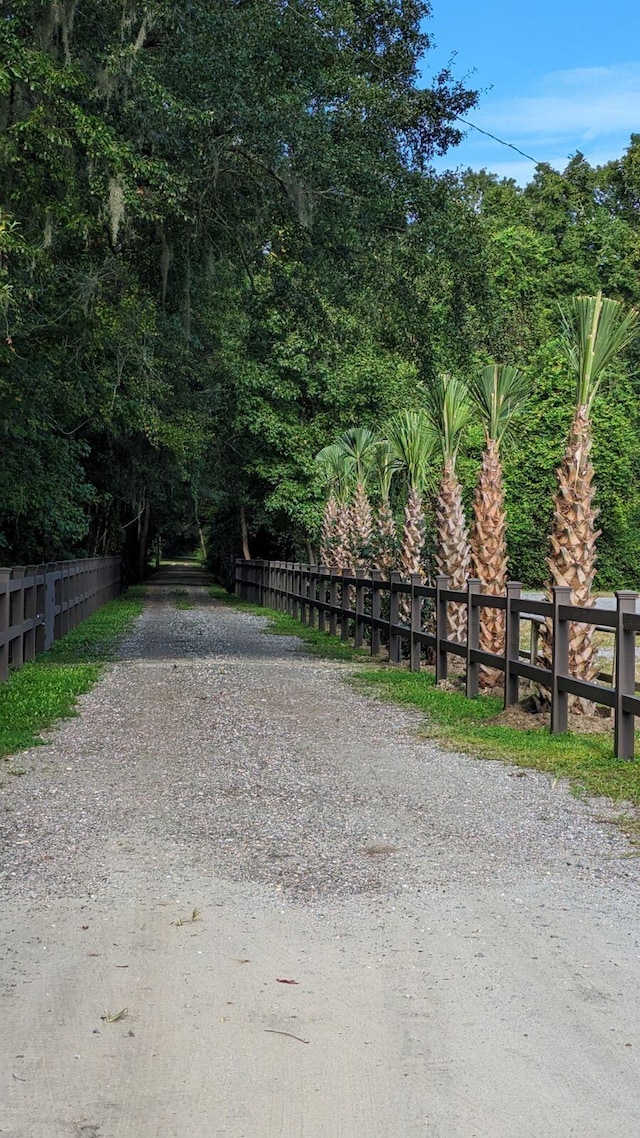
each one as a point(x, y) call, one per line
point(41, 603)
point(351, 601)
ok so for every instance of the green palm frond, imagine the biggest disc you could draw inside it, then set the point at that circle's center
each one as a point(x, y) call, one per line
point(385, 464)
point(412, 441)
point(359, 445)
point(449, 411)
point(595, 331)
point(336, 470)
point(499, 392)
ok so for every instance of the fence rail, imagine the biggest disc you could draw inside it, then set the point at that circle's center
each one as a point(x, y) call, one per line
point(41, 603)
point(333, 599)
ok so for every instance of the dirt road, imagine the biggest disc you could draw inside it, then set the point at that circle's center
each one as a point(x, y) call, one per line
point(389, 941)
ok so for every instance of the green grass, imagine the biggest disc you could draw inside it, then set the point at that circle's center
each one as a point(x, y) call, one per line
point(587, 761)
point(180, 599)
point(469, 725)
point(47, 689)
point(279, 624)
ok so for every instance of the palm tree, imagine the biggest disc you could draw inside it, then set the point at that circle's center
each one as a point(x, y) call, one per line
point(336, 471)
point(359, 445)
point(449, 411)
point(595, 331)
point(412, 441)
point(384, 537)
point(498, 393)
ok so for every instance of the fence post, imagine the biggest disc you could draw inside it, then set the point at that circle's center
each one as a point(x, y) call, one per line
point(473, 636)
point(50, 606)
point(376, 575)
point(625, 675)
point(41, 592)
point(560, 661)
point(322, 596)
point(288, 587)
point(394, 618)
point(296, 579)
point(512, 645)
point(415, 623)
point(313, 596)
point(361, 575)
point(261, 584)
point(306, 593)
point(16, 616)
point(346, 604)
point(5, 578)
point(534, 642)
point(442, 583)
point(304, 588)
point(333, 600)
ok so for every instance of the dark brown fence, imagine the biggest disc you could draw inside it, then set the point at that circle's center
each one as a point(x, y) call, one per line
point(41, 603)
point(352, 602)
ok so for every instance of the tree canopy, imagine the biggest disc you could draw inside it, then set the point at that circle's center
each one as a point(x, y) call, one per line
point(222, 244)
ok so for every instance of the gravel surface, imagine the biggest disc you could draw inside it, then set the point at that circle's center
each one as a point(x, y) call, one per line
point(238, 752)
point(218, 765)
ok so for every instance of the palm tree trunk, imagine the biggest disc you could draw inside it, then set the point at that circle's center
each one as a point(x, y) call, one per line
point(489, 552)
point(328, 531)
point(453, 555)
point(412, 545)
point(361, 527)
point(342, 539)
point(385, 539)
point(572, 558)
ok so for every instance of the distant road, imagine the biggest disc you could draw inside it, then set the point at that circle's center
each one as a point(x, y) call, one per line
point(601, 603)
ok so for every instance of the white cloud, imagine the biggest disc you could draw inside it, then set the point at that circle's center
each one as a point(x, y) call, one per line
point(578, 105)
point(593, 110)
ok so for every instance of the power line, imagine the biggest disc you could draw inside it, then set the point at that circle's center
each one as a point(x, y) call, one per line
point(500, 140)
point(372, 61)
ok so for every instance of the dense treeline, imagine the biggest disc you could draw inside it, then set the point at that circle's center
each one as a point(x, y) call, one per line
point(221, 244)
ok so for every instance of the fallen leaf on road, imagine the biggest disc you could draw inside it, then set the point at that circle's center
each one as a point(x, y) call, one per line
point(287, 981)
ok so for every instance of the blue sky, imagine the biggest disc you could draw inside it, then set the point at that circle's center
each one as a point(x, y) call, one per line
point(554, 78)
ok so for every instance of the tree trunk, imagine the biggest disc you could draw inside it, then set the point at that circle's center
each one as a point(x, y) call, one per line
point(245, 534)
point(385, 539)
point(361, 527)
point(328, 532)
point(453, 555)
point(412, 546)
point(489, 553)
point(572, 557)
point(143, 539)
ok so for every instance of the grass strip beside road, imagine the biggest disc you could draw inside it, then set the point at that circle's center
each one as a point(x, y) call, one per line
point(47, 689)
point(469, 725)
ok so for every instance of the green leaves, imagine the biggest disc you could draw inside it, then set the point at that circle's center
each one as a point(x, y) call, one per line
point(447, 401)
point(499, 392)
point(596, 330)
point(412, 442)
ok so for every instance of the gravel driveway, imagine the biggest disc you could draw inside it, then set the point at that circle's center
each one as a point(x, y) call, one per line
point(227, 816)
